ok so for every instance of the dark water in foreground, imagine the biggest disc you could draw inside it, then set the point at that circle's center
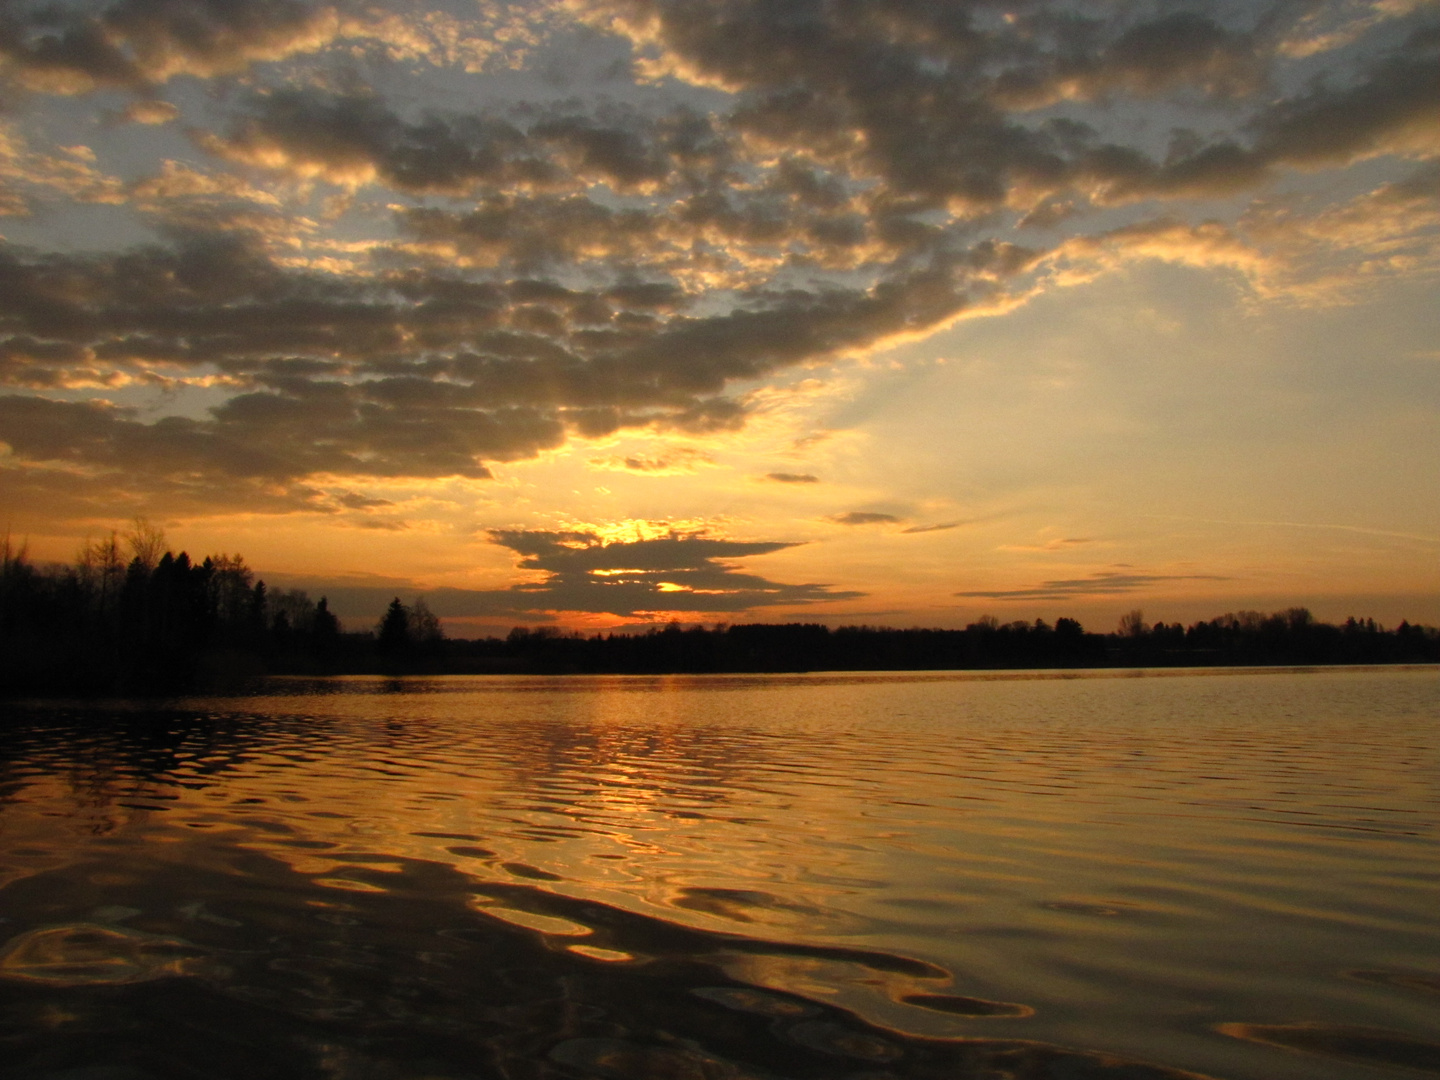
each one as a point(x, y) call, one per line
point(720, 878)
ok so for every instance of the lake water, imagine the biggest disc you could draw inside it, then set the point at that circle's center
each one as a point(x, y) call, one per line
point(1232, 874)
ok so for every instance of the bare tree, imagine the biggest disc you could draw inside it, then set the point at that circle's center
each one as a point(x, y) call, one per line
point(146, 542)
point(425, 625)
point(100, 568)
point(230, 585)
point(13, 559)
point(1132, 623)
point(294, 606)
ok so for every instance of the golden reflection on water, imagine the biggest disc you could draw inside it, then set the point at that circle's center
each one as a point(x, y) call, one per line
point(1180, 869)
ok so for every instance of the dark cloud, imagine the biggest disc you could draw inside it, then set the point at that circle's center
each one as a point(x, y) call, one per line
point(935, 99)
point(1105, 583)
point(934, 528)
point(670, 573)
point(83, 494)
point(792, 478)
point(352, 500)
point(931, 99)
point(679, 573)
point(330, 428)
point(1079, 58)
point(359, 138)
point(538, 232)
point(532, 175)
point(592, 266)
point(77, 47)
point(921, 93)
point(724, 230)
point(1393, 106)
point(407, 373)
point(864, 517)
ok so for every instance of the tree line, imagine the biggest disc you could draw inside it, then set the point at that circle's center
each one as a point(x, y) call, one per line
point(128, 615)
point(1243, 638)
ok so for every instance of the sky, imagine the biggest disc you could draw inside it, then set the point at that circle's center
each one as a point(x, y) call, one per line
point(599, 313)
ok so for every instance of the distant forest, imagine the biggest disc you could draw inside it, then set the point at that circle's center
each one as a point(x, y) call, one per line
point(130, 616)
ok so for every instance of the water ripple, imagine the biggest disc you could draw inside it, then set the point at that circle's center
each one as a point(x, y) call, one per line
point(1126, 865)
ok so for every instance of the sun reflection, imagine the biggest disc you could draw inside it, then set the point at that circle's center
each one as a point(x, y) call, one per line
point(545, 924)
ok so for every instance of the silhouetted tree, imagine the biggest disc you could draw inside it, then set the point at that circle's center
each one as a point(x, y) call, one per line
point(230, 584)
point(392, 635)
point(426, 633)
point(324, 623)
point(162, 623)
point(294, 607)
point(324, 633)
point(146, 543)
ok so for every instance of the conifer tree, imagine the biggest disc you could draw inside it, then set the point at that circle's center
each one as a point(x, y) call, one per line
point(393, 633)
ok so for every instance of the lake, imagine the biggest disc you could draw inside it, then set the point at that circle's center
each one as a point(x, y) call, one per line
point(976, 874)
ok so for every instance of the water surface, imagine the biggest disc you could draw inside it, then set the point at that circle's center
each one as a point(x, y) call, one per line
point(879, 876)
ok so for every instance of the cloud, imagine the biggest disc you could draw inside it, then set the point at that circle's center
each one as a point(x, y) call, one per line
point(29, 177)
point(353, 500)
point(357, 139)
point(1209, 244)
point(1328, 27)
point(278, 437)
point(739, 237)
point(932, 99)
point(1284, 246)
point(365, 284)
point(1101, 583)
point(132, 44)
point(64, 492)
point(673, 461)
point(943, 526)
point(792, 478)
point(863, 517)
point(533, 233)
point(534, 175)
point(1393, 107)
point(1337, 251)
point(76, 47)
point(151, 111)
point(582, 573)
point(671, 573)
point(1059, 544)
point(405, 373)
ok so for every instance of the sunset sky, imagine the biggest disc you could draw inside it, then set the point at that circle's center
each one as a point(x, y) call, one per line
point(600, 312)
